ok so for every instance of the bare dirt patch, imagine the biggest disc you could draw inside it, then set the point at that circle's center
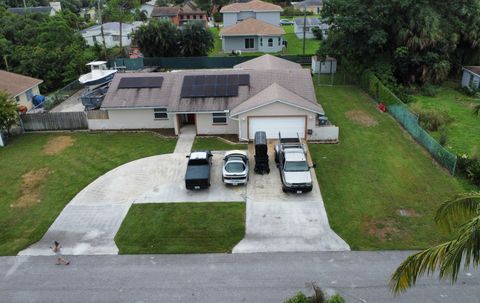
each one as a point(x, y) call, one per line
point(407, 212)
point(383, 230)
point(57, 145)
point(30, 192)
point(361, 118)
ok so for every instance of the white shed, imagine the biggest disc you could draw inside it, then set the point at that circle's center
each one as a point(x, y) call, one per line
point(327, 66)
point(471, 77)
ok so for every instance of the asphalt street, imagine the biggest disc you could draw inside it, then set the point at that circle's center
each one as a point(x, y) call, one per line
point(268, 277)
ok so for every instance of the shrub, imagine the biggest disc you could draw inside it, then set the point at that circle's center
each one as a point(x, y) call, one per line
point(317, 33)
point(470, 168)
point(431, 119)
point(300, 297)
point(336, 299)
point(468, 91)
point(443, 136)
point(290, 11)
point(217, 17)
point(319, 297)
point(429, 90)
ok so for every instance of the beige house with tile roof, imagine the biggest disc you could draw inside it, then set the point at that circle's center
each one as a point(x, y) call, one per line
point(20, 87)
point(253, 96)
point(252, 27)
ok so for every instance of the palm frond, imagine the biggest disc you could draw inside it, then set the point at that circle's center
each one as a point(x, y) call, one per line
point(466, 248)
point(416, 265)
point(458, 210)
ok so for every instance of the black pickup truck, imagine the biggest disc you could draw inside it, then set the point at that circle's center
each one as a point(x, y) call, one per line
point(198, 170)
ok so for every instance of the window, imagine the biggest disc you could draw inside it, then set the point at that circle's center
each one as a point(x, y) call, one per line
point(261, 41)
point(94, 39)
point(270, 42)
point(219, 118)
point(17, 98)
point(279, 41)
point(194, 16)
point(249, 43)
point(160, 113)
point(116, 38)
point(29, 95)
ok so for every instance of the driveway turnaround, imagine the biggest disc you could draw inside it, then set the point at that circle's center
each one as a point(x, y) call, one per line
point(272, 277)
point(285, 222)
point(89, 223)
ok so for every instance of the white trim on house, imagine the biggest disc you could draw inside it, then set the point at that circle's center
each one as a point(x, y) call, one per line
point(275, 101)
point(466, 69)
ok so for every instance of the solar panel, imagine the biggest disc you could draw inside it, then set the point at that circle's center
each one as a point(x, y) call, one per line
point(199, 86)
point(141, 82)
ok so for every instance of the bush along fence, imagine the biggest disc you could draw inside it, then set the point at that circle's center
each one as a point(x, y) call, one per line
point(191, 62)
point(372, 85)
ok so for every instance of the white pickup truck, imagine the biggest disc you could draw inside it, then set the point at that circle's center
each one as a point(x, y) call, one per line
point(290, 156)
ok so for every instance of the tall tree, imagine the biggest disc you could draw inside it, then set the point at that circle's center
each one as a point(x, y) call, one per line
point(157, 39)
point(195, 40)
point(460, 214)
point(121, 11)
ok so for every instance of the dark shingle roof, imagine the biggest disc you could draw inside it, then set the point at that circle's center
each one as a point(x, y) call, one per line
point(32, 10)
point(160, 11)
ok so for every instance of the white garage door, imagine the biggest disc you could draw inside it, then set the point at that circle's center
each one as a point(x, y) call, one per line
point(288, 126)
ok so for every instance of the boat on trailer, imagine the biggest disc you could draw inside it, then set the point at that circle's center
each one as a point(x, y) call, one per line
point(99, 74)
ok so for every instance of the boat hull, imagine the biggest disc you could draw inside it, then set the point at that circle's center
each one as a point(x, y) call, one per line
point(105, 79)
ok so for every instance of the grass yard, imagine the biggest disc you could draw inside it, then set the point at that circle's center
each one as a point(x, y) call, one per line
point(381, 189)
point(214, 143)
point(176, 228)
point(41, 173)
point(295, 45)
point(463, 134)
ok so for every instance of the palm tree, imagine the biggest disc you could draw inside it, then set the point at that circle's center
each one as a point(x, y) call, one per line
point(460, 214)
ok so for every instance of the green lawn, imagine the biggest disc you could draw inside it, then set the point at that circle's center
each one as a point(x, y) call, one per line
point(182, 228)
point(463, 134)
point(295, 45)
point(373, 173)
point(213, 143)
point(35, 186)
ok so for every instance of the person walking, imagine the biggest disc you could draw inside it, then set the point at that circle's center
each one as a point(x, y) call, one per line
point(56, 248)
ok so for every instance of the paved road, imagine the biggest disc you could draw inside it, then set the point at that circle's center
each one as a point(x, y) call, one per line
point(358, 276)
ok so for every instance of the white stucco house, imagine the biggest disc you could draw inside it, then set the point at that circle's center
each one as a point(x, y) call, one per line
point(20, 87)
point(111, 31)
point(252, 27)
point(471, 77)
point(263, 94)
point(310, 24)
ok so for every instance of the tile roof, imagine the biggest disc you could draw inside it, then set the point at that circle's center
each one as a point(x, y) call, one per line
point(15, 84)
point(160, 11)
point(254, 5)
point(298, 81)
point(252, 27)
point(275, 93)
point(268, 62)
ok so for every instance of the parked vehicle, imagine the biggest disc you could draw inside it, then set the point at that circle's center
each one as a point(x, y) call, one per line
point(286, 22)
point(290, 155)
point(261, 153)
point(235, 167)
point(198, 170)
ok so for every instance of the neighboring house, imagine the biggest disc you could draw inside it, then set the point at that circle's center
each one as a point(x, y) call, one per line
point(20, 87)
point(313, 6)
point(180, 15)
point(148, 8)
point(252, 26)
point(111, 32)
point(326, 66)
point(310, 24)
point(51, 10)
point(89, 13)
point(264, 94)
point(471, 77)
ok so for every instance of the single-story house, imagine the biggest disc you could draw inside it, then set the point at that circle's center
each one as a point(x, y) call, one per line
point(52, 9)
point(252, 35)
point(310, 24)
point(313, 6)
point(268, 94)
point(148, 8)
point(324, 66)
point(471, 77)
point(20, 87)
point(111, 32)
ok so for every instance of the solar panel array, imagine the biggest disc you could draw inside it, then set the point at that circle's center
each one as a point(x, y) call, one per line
point(141, 82)
point(213, 85)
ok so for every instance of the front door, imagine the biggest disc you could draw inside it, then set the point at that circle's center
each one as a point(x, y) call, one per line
point(188, 119)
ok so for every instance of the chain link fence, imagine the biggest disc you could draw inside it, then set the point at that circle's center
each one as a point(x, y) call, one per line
point(372, 85)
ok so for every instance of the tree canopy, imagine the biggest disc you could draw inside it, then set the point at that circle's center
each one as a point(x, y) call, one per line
point(418, 40)
point(163, 39)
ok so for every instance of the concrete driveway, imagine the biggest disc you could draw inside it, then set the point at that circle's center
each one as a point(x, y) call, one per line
point(285, 222)
point(89, 223)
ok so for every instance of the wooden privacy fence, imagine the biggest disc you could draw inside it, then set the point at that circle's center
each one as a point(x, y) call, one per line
point(54, 121)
